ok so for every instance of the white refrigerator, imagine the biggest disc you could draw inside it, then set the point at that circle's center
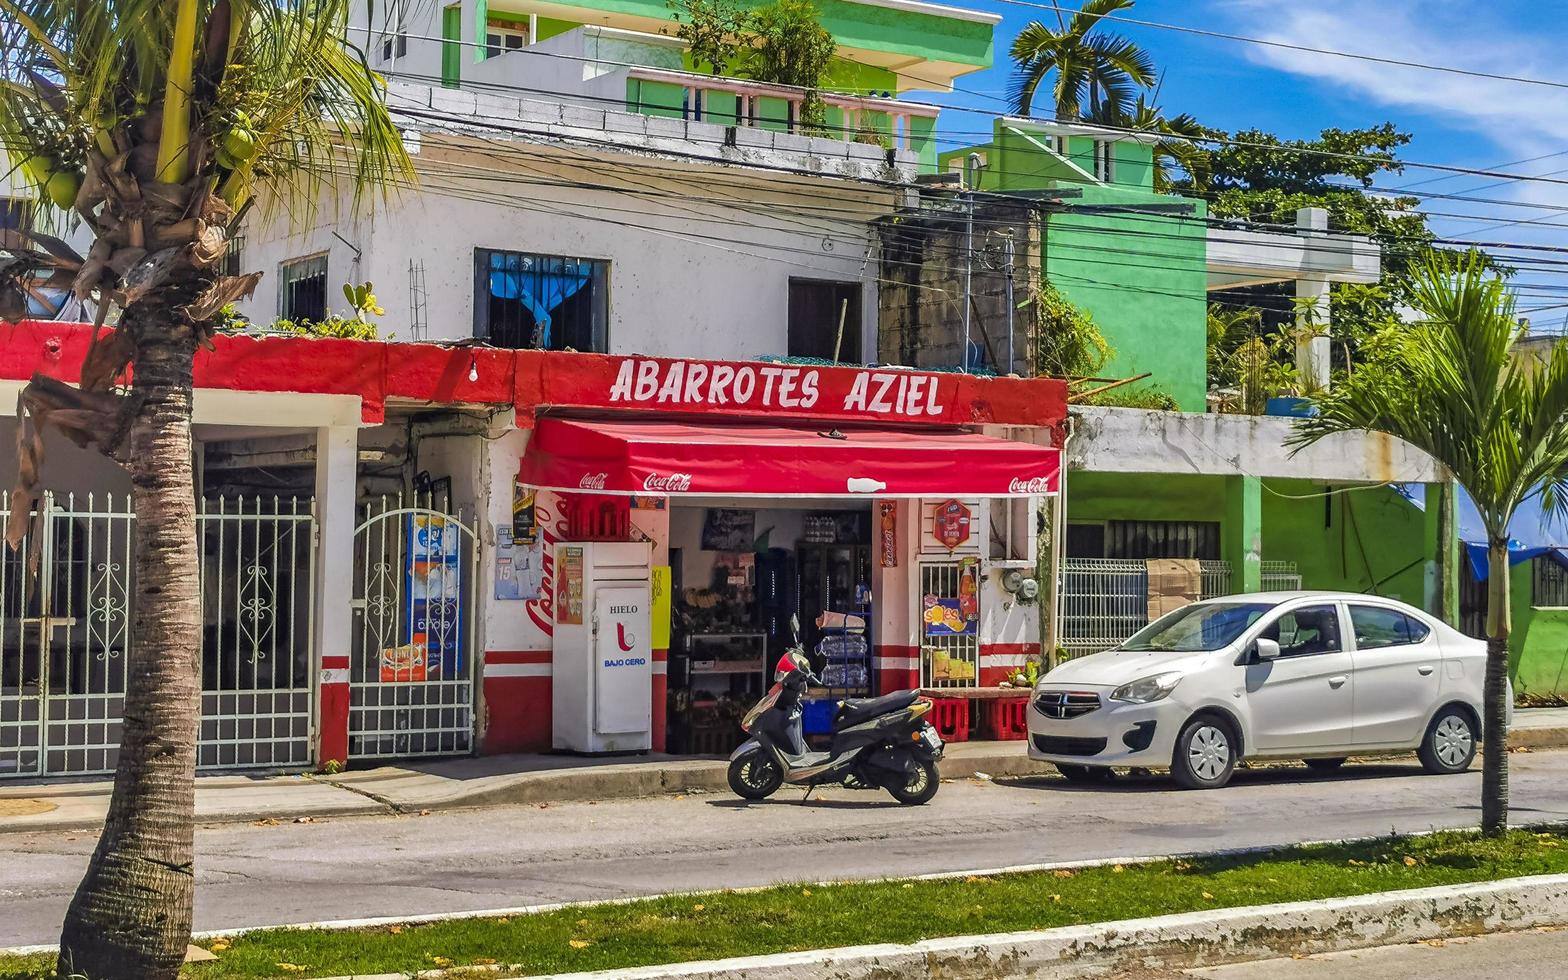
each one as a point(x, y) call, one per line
point(602, 674)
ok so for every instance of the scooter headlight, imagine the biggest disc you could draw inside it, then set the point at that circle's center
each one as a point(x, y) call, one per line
point(1146, 689)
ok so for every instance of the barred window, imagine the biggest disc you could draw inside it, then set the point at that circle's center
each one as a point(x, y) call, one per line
point(1550, 586)
point(302, 289)
point(549, 302)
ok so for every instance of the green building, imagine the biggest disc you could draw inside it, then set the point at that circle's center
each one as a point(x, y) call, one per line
point(1219, 493)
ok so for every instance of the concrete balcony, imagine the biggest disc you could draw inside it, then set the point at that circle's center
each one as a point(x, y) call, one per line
point(613, 70)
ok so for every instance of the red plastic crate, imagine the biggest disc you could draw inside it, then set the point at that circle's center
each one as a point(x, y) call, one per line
point(1005, 719)
point(950, 718)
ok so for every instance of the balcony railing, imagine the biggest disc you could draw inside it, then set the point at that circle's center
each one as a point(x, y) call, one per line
point(893, 124)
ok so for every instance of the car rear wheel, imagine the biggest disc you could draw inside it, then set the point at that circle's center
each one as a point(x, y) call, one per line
point(1449, 745)
point(1085, 774)
point(1324, 765)
point(1205, 754)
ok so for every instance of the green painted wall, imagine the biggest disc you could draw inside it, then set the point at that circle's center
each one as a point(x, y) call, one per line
point(1143, 277)
point(1297, 526)
point(1539, 643)
point(1369, 540)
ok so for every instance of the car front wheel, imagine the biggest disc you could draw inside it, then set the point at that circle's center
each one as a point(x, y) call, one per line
point(1205, 754)
point(1449, 745)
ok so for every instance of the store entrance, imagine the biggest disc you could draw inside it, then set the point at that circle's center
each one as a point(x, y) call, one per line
point(739, 572)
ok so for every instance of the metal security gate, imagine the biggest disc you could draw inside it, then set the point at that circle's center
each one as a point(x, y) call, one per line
point(949, 646)
point(65, 631)
point(258, 578)
point(411, 669)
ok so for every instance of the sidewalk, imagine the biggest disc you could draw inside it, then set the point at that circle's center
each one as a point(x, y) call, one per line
point(437, 785)
point(502, 779)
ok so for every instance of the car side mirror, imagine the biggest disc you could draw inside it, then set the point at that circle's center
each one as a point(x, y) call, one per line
point(1265, 649)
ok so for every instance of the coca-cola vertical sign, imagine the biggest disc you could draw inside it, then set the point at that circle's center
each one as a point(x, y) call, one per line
point(887, 533)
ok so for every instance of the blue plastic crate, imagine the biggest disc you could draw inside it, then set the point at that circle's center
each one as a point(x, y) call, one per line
point(816, 715)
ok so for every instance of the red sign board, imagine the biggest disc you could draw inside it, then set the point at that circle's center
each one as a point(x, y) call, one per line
point(782, 391)
point(951, 524)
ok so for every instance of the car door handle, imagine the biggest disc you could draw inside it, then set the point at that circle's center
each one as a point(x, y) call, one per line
point(1425, 670)
point(1337, 682)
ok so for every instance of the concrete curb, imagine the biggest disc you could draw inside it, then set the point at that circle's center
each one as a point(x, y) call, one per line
point(1169, 942)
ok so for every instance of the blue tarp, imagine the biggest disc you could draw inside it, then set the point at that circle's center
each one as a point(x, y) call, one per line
point(1532, 532)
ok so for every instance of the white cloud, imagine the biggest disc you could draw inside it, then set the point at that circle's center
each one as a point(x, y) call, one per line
point(1514, 121)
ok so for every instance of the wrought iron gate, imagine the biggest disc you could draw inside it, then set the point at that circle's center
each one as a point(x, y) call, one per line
point(950, 648)
point(411, 670)
point(65, 629)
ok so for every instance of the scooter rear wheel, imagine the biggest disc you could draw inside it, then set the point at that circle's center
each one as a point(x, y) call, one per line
point(755, 776)
point(920, 787)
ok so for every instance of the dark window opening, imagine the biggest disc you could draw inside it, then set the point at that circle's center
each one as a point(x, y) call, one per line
point(1085, 540)
point(303, 286)
point(234, 258)
point(1162, 539)
point(817, 309)
point(394, 46)
point(548, 302)
point(13, 214)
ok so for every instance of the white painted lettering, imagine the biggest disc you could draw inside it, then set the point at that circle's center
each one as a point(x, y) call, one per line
point(723, 374)
point(787, 397)
point(769, 375)
point(916, 384)
point(696, 374)
point(855, 401)
point(647, 380)
point(671, 389)
point(878, 401)
point(808, 390)
point(745, 385)
point(900, 407)
point(622, 389)
point(932, 408)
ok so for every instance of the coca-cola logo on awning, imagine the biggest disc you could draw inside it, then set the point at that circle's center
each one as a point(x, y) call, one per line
point(673, 483)
point(592, 481)
point(1035, 485)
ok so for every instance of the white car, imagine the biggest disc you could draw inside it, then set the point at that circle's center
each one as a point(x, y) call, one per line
point(1317, 676)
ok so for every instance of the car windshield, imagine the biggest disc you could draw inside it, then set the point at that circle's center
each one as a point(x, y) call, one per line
point(1195, 628)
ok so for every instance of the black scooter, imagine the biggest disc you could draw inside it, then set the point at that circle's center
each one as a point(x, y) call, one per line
point(881, 742)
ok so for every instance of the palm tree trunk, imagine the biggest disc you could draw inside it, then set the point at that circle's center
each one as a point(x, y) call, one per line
point(1494, 727)
point(131, 915)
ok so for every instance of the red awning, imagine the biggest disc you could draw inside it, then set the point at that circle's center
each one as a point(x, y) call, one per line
point(747, 459)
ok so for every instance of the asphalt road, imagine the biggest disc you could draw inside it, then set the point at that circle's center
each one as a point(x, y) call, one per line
point(510, 856)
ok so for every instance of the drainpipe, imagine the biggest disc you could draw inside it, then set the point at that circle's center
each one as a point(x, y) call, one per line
point(1051, 618)
point(1007, 258)
point(971, 177)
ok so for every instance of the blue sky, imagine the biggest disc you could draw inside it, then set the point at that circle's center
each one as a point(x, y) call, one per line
point(1454, 119)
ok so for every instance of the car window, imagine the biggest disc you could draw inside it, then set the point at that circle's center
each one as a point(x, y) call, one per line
point(1418, 630)
point(1376, 627)
point(1201, 626)
point(1305, 631)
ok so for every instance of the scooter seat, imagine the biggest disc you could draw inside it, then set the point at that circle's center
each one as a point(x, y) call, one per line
point(853, 711)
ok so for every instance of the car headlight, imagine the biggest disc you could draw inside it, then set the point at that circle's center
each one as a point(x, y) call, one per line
point(1147, 689)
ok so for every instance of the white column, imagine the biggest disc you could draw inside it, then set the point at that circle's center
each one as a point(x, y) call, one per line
point(1313, 343)
point(337, 458)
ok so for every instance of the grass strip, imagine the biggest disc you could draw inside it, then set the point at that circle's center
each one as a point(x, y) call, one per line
point(799, 917)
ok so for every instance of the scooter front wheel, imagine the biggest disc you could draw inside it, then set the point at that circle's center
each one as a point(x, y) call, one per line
point(919, 787)
point(755, 776)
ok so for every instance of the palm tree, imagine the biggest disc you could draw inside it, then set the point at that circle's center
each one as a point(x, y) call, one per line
point(157, 123)
point(1451, 385)
point(1092, 67)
